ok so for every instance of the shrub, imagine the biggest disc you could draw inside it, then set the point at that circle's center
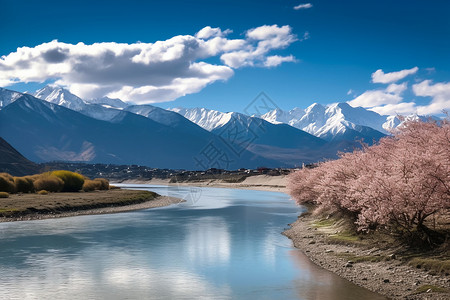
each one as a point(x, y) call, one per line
point(73, 182)
point(24, 184)
point(7, 183)
point(91, 185)
point(43, 192)
point(48, 182)
point(104, 183)
point(4, 195)
point(96, 184)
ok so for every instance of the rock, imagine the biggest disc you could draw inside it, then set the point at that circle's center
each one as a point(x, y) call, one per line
point(348, 265)
point(386, 281)
point(392, 256)
point(328, 251)
point(429, 291)
point(365, 279)
point(350, 262)
point(311, 242)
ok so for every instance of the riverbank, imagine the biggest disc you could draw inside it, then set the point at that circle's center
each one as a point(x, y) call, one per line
point(24, 207)
point(258, 182)
point(371, 264)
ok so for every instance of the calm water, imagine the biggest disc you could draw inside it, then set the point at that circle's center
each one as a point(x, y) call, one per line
point(221, 244)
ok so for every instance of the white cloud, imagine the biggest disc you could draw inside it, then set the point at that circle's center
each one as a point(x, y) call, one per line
point(303, 6)
point(146, 72)
point(404, 108)
point(265, 38)
point(389, 101)
point(380, 77)
point(372, 98)
point(276, 60)
point(440, 94)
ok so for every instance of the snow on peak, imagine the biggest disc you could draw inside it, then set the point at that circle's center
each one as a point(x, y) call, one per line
point(7, 97)
point(116, 103)
point(207, 118)
point(328, 121)
point(60, 96)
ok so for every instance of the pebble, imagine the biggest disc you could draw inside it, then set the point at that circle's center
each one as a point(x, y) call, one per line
point(348, 265)
point(386, 281)
point(328, 251)
point(311, 242)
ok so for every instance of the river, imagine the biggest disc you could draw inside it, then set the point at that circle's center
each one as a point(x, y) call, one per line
point(219, 244)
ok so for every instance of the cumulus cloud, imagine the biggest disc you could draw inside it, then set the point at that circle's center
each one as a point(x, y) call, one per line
point(303, 6)
point(440, 94)
point(404, 108)
point(262, 40)
point(146, 72)
point(372, 98)
point(380, 77)
point(390, 101)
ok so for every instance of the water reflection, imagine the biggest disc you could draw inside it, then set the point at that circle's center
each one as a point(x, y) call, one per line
point(208, 241)
point(226, 245)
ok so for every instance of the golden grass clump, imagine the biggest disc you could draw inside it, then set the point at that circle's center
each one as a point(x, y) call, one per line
point(73, 182)
point(48, 182)
point(7, 183)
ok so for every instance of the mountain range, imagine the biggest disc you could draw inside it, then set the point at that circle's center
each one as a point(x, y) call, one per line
point(54, 124)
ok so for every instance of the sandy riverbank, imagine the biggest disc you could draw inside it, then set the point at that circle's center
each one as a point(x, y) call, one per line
point(368, 266)
point(259, 182)
point(24, 207)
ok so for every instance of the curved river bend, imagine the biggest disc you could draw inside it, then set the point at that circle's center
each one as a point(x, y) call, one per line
point(220, 244)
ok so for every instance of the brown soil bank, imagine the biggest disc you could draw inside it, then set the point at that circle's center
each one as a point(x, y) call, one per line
point(19, 207)
point(376, 263)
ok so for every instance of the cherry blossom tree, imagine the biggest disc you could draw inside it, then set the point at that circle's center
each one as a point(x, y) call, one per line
point(398, 183)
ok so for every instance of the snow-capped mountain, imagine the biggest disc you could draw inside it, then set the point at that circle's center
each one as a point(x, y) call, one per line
point(7, 97)
point(106, 109)
point(335, 121)
point(207, 118)
point(60, 96)
point(108, 102)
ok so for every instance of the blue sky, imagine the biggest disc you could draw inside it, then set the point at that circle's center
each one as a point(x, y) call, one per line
point(345, 43)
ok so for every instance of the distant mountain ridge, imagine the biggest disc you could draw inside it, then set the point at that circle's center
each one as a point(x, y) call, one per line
point(62, 126)
point(45, 131)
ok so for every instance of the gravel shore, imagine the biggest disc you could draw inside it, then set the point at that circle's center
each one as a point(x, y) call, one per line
point(390, 277)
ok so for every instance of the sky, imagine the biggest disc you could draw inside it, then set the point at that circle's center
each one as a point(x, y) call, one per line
point(389, 56)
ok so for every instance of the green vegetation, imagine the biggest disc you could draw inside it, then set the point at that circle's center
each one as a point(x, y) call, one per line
point(345, 238)
point(324, 223)
point(4, 195)
point(432, 265)
point(430, 288)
